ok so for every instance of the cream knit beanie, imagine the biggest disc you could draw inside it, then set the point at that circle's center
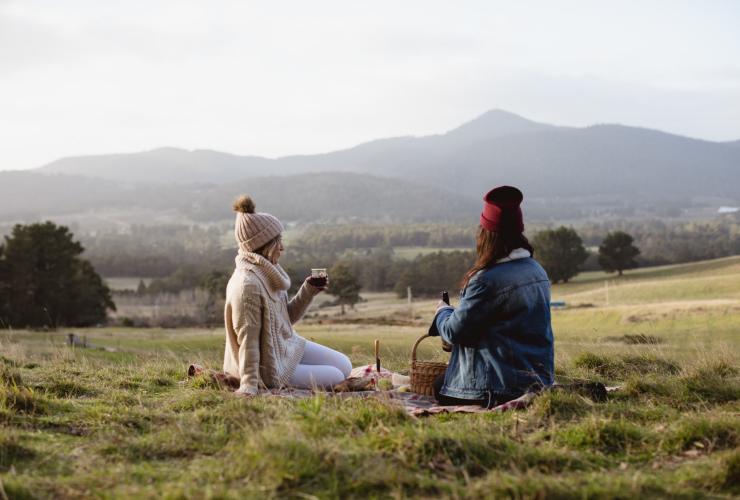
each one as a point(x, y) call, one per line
point(253, 230)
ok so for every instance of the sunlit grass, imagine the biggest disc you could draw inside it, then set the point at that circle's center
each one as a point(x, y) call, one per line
point(125, 422)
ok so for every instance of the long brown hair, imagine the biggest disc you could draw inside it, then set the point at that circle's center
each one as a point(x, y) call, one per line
point(492, 246)
point(268, 249)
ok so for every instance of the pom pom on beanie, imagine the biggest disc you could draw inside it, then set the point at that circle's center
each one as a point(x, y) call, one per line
point(244, 204)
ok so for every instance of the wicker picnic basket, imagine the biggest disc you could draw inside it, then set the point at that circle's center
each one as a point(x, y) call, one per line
point(423, 373)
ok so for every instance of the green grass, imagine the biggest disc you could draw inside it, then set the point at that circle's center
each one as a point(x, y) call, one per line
point(696, 272)
point(124, 422)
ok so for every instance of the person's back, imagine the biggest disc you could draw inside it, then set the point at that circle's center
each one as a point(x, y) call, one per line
point(519, 336)
point(501, 331)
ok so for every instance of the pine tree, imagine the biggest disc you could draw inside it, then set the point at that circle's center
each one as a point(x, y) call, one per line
point(44, 282)
point(561, 252)
point(344, 285)
point(617, 253)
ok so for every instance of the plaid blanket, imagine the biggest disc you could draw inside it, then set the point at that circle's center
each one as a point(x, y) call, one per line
point(415, 405)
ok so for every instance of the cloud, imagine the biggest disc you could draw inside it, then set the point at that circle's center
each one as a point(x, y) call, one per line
point(25, 43)
point(277, 78)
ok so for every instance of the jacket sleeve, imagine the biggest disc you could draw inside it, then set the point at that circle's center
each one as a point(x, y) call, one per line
point(465, 324)
point(248, 325)
point(299, 303)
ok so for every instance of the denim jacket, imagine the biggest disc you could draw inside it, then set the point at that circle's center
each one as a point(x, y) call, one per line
point(500, 332)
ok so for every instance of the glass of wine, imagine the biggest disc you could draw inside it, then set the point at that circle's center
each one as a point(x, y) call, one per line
point(319, 277)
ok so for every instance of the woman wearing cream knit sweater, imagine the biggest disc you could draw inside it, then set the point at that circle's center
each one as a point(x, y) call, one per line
point(262, 348)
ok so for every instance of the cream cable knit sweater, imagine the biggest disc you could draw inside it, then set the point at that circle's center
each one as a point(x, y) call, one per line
point(262, 349)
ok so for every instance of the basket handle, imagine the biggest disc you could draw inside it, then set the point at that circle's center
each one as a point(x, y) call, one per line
point(413, 351)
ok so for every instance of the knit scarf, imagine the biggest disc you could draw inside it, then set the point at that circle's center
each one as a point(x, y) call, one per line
point(273, 274)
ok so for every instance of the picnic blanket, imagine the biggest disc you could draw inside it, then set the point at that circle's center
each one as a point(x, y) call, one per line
point(409, 400)
point(414, 404)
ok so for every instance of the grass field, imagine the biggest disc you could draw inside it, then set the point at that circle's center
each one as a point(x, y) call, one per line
point(124, 422)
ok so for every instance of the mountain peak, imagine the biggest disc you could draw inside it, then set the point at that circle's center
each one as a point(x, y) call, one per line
point(165, 150)
point(496, 123)
point(497, 113)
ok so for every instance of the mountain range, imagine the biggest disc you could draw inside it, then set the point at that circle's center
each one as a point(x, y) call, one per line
point(565, 172)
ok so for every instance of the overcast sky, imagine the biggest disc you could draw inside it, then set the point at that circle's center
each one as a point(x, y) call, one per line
point(274, 78)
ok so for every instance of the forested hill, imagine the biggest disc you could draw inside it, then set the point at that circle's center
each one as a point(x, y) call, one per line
point(163, 166)
point(335, 197)
point(341, 197)
point(497, 147)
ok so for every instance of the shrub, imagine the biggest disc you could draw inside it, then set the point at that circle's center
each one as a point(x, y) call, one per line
point(715, 381)
point(21, 400)
point(710, 434)
point(636, 339)
point(731, 472)
point(560, 405)
point(607, 436)
point(9, 377)
point(67, 389)
point(11, 452)
point(621, 367)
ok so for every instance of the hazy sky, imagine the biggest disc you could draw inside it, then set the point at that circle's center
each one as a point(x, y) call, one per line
point(275, 78)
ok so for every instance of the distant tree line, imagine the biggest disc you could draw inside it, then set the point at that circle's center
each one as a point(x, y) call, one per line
point(661, 242)
point(674, 242)
point(158, 251)
point(181, 256)
point(562, 251)
point(340, 238)
point(47, 278)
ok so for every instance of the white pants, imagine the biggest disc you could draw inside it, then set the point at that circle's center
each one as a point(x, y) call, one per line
point(320, 367)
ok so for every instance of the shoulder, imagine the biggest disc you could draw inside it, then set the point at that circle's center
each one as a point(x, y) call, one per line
point(244, 285)
point(537, 267)
point(487, 277)
point(480, 283)
point(512, 274)
point(531, 269)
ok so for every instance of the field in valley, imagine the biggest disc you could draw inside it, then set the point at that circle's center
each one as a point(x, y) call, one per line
point(123, 421)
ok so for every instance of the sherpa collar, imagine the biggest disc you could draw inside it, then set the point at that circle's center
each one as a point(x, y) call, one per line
point(274, 276)
point(517, 253)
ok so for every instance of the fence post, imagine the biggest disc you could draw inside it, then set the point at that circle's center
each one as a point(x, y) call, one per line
point(408, 298)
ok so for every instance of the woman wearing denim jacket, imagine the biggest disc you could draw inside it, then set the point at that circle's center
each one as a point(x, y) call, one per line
point(501, 336)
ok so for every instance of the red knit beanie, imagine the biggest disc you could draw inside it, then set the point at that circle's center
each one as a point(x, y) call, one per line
point(502, 211)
